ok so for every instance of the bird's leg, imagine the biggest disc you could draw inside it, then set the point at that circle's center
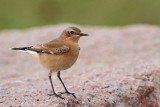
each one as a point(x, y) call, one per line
point(50, 75)
point(66, 91)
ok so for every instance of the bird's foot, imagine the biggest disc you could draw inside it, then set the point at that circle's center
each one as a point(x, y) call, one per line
point(67, 92)
point(57, 95)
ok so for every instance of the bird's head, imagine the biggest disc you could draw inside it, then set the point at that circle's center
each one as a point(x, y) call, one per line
point(72, 34)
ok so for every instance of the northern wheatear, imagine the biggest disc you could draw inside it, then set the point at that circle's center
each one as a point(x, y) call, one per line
point(58, 54)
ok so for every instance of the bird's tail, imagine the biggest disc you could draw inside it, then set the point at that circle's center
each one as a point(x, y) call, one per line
point(25, 49)
point(20, 49)
point(31, 50)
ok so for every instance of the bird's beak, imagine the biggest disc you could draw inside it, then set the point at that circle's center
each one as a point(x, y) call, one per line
point(83, 34)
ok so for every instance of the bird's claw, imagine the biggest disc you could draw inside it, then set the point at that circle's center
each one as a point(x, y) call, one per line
point(57, 95)
point(67, 92)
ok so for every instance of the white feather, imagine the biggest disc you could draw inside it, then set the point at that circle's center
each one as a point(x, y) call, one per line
point(29, 51)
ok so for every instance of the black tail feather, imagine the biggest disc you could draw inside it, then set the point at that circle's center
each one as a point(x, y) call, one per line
point(22, 48)
point(30, 48)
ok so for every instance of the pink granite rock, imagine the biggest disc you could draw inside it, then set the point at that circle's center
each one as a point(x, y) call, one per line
point(117, 66)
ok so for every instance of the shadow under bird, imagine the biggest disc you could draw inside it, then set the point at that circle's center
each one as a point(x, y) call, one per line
point(58, 54)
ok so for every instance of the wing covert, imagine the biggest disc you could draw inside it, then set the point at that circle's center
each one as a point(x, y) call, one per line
point(53, 47)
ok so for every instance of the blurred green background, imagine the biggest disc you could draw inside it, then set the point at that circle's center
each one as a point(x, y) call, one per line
point(19, 14)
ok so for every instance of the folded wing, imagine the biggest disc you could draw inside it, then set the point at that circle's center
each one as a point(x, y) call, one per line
point(53, 47)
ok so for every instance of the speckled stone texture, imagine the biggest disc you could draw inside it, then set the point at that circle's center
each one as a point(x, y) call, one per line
point(117, 67)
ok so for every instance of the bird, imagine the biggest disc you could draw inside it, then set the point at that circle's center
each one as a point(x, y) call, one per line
point(57, 55)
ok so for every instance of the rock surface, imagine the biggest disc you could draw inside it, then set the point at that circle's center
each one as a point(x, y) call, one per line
point(117, 67)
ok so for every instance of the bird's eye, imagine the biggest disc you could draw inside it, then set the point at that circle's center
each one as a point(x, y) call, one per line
point(71, 32)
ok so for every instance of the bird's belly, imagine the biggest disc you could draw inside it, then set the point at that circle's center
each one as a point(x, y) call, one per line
point(59, 62)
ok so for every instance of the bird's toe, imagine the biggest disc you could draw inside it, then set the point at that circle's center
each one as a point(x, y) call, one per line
point(69, 93)
point(56, 95)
